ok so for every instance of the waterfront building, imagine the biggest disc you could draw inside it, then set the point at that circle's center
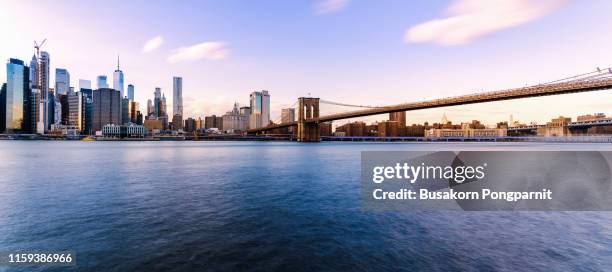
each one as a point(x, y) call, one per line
point(326, 129)
point(37, 124)
point(465, 132)
point(75, 103)
point(44, 64)
point(388, 129)
point(177, 96)
point(235, 120)
point(57, 109)
point(399, 117)
point(190, 125)
point(130, 92)
point(153, 125)
point(164, 106)
point(102, 82)
point(118, 80)
point(134, 109)
point(199, 123)
point(213, 122)
point(33, 72)
point(556, 127)
point(150, 109)
point(124, 131)
point(63, 100)
point(260, 109)
point(125, 110)
point(357, 129)
point(591, 117)
point(87, 111)
point(177, 122)
point(16, 96)
point(3, 108)
point(106, 108)
point(62, 81)
point(287, 115)
point(157, 102)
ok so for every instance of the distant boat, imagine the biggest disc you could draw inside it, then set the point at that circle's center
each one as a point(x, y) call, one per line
point(89, 138)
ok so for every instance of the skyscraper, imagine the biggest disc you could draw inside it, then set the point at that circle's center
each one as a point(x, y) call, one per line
point(34, 73)
point(118, 80)
point(3, 108)
point(75, 103)
point(157, 102)
point(62, 81)
point(130, 92)
point(102, 83)
point(44, 64)
point(87, 111)
point(287, 115)
point(177, 96)
point(260, 109)
point(16, 97)
point(150, 108)
point(106, 108)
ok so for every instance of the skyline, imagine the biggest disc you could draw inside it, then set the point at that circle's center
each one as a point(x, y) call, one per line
point(297, 48)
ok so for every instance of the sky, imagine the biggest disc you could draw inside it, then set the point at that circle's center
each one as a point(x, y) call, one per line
point(356, 52)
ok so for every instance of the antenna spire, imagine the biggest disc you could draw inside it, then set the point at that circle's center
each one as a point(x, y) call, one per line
point(117, 62)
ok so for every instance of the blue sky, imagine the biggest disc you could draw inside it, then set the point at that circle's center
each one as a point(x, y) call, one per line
point(359, 52)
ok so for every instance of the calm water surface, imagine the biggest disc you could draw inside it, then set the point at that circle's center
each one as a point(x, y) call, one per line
point(146, 206)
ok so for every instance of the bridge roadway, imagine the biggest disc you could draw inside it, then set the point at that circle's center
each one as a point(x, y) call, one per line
point(524, 92)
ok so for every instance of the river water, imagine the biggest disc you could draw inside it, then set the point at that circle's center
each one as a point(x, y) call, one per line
point(146, 206)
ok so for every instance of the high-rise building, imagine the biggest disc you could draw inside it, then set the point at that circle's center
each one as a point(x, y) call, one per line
point(84, 84)
point(118, 80)
point(150, 109)
point(16, 97)
point(34, 73)
point(44, 64)
point(125, 110)
point(75, 104)
point(62, 81)
point(235, 120)
point(177, 96)
point(135, 112)
point(106, 108)
point(213, 121)
point(260, 109)
point(157, 102)
point(164, 106)
point(57, 109)
point(36, 113)
point(399, 117)
point(130, 92)
point(102, 82)
point(287, 115)
point(190, 125)
point(63, 100)
point(177, 122)
point(3, 108)
point(87, 111)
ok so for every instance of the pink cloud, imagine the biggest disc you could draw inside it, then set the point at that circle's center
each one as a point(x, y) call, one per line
point(469, 20)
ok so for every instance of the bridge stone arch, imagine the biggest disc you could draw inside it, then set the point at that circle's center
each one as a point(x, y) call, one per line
point(307, 130)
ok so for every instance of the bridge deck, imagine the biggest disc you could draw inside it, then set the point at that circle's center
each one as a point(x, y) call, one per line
point(524, 92)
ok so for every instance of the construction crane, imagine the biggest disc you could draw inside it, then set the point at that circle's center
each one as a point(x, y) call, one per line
point(38, 46)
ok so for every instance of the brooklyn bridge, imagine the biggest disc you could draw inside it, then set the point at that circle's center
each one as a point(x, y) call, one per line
point(308, 118)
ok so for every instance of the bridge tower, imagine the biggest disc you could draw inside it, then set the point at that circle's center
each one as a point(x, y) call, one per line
point(308, 131)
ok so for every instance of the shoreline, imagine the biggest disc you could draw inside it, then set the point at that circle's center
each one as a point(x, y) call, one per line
point(570, 139)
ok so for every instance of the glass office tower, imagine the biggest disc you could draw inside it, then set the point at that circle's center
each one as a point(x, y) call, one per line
point(16, 97)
